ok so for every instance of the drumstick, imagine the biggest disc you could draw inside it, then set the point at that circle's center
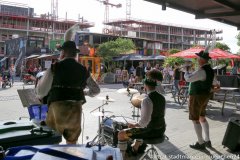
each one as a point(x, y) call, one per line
point(124, 119)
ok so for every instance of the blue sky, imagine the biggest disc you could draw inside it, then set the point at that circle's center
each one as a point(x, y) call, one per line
point(93, 11)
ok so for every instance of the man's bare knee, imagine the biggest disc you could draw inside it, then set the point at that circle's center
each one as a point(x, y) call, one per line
point(122, 135)
point(202, 119)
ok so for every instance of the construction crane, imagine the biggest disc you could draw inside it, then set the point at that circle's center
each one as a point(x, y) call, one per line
point(54, 14)
point(106, 13)
point(54, 9)
point(128, 9)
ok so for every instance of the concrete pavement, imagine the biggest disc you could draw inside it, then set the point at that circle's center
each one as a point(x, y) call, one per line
point(179, 128)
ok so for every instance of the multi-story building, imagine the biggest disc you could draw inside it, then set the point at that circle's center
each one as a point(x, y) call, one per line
point(19, 20)
point(166, 36)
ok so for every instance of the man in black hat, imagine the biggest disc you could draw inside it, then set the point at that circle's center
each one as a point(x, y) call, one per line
point(64, 83)
point(152, 121)
point(199, 94)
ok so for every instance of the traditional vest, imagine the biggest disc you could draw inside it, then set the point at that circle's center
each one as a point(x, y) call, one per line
point(69, 81)
point(203, 87)
point(157, 118)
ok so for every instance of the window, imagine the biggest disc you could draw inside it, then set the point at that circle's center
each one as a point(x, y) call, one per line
point(32, 44)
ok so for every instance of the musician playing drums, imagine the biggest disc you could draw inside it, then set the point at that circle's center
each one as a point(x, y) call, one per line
point(152, 121)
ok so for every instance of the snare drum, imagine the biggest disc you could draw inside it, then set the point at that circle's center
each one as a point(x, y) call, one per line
point(112, 125)
point(117, 122)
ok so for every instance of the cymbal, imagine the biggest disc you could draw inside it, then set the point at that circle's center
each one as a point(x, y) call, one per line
point(137, 100)
point(106, 99)
point(127, 91)
point(101, 114)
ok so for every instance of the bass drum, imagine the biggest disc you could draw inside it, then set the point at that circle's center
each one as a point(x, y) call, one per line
point(112, 125)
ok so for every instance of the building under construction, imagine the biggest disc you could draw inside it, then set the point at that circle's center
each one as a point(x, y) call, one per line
point(19, 20)
point(166, 36)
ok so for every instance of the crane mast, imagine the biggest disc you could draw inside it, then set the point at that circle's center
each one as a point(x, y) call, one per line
point(54, 9)
point(128, 9)
point(106, 12)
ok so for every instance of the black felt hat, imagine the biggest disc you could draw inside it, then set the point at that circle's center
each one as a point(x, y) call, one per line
point(204, 55)
point(69, 45)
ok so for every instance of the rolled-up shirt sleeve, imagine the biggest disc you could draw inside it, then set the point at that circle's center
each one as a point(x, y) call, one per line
point(93, 87)
point(146, 112)
point(44, 84)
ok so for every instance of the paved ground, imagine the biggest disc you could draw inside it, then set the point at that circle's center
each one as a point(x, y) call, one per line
point(179, 128)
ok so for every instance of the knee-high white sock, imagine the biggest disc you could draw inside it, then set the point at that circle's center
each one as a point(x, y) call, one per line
point(205, 127)
point(198, 130)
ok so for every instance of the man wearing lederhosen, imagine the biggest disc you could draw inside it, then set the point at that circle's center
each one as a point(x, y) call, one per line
point(199, 94)
point(64, 83)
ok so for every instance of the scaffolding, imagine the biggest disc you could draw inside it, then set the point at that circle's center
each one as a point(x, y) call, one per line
point(19, 20)
point(171, 36)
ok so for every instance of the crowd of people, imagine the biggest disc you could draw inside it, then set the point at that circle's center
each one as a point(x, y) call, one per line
point(171, 74)
point(33, 69)
point(10, 73)
point(139, 73)
point(7, 74)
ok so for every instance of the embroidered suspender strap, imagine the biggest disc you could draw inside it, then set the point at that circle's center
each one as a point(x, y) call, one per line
point(70, 87)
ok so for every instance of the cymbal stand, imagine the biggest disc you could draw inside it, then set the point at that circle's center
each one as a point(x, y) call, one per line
point(137, 115)
point(129, 93)
point(100, 134)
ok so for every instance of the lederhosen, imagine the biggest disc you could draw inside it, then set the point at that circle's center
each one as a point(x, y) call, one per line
point(66, 98)
point(199, 94)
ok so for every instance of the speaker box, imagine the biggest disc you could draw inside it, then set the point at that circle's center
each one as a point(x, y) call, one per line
point(231, 138)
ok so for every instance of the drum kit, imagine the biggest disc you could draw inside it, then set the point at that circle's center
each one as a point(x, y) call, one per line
point(110, 125)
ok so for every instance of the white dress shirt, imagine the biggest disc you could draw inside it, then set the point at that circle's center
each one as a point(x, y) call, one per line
point(146, 111)
point(198, 75)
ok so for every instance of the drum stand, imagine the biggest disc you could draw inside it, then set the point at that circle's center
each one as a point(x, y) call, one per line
point(101, 140)
point(135, 112)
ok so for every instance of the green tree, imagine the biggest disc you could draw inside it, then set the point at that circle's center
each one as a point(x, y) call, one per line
point(172, 60)
point(111, 49)
point(172, 51)
point(222, 46)
point(238, 42)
